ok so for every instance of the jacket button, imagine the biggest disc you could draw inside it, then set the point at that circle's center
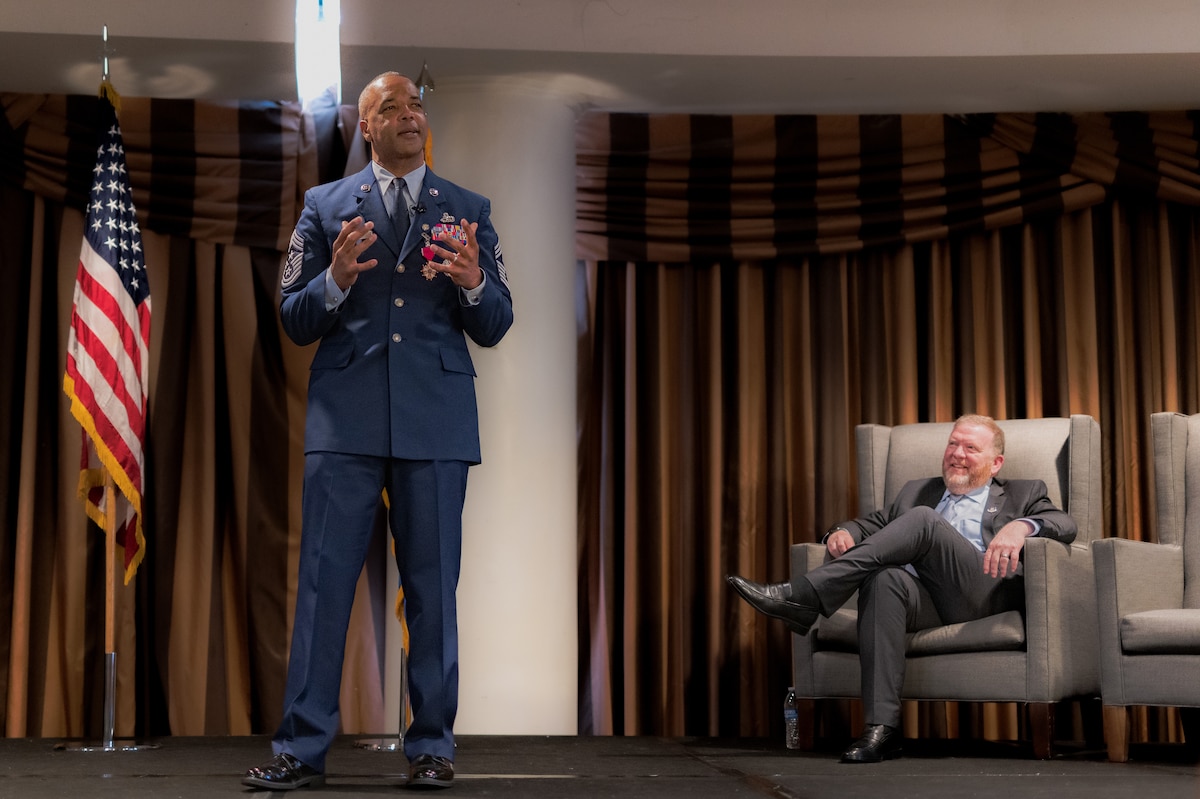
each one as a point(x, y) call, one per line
point(396, 337)
point(399, 302)
point(400, 268)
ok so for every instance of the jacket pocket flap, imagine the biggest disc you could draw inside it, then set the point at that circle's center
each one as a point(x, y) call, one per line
point(454, 360)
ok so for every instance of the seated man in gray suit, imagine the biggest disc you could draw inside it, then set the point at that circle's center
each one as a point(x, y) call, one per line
point(948, 550)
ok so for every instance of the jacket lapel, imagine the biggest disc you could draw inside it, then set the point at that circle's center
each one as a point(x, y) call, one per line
point(993, 512)
point(369, 200)
point(931, 493)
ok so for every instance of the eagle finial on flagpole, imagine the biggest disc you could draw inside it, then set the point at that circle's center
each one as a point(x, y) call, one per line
point(106, 87)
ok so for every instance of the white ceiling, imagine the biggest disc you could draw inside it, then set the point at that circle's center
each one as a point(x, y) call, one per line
point(796, 56)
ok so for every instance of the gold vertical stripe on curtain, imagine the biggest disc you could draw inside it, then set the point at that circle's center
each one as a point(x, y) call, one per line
point(758, 286)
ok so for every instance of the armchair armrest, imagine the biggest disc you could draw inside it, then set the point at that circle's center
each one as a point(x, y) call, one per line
point(1060, 620)
point(804, 558)
point(1135, 576)
point(1131, 577)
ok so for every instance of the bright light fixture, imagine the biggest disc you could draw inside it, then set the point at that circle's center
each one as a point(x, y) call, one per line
point(318, 50)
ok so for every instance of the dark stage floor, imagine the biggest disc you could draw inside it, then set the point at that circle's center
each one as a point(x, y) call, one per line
point(581, 768)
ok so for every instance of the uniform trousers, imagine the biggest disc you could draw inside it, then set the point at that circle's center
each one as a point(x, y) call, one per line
point(341, 497)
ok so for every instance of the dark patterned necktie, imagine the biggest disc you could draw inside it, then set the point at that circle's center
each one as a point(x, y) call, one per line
point(398, 207)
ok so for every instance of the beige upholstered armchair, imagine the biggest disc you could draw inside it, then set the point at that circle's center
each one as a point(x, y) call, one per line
point(1038, 658)
point(1148, 595)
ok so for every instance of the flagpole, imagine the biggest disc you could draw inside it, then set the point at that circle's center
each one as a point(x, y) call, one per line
point(110, 556)
point(394, 744)
point(108, 742)
point(110, 591)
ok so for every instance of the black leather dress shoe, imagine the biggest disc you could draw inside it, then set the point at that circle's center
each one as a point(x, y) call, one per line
point(283, 773)
point(878, 743)
point(430, 771)
point(776, 601)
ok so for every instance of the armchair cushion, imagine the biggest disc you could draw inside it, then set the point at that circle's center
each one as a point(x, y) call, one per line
point(1169, 631)
point(1001, 632)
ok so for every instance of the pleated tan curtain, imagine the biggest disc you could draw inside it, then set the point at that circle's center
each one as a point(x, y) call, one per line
point(756, 287)
point(204, 626)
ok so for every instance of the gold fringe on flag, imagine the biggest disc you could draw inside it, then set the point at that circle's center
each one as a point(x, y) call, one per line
point(108, 92)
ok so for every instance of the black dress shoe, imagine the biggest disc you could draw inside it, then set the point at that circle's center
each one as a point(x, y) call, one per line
point(878, 743)
point(777, 602)
point(430, 771)
point(283, 773)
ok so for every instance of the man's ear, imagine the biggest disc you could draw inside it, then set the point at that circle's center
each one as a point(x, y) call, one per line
point(997, 463)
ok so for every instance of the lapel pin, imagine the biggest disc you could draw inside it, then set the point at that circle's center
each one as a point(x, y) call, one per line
point(365, 187)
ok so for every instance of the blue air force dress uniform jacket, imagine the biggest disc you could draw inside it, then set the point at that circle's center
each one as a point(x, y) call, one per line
point(392, 375)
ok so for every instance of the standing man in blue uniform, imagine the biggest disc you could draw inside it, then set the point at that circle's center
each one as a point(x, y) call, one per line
point(388, 287)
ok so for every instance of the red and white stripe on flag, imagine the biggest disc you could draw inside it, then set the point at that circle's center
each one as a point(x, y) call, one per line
point(108, 346)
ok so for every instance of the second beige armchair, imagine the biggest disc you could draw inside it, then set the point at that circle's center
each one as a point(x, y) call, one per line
point(1148, 594)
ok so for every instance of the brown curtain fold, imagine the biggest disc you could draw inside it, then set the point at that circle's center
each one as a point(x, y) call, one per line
point(758, 286)
point(687, 189)
point(219, 172)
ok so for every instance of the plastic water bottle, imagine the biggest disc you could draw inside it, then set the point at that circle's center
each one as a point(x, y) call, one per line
point(791, 721)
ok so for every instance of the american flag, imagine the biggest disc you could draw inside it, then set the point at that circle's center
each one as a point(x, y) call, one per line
point(108, 347)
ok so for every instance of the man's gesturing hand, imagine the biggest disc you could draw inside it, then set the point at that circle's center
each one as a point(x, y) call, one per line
point(356, 236)
point(458, 260)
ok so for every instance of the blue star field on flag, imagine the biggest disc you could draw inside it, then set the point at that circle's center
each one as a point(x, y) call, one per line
point(112, 228)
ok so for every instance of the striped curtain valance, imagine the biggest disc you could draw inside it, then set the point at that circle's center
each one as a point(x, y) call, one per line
point(219, 172)
point(687, 189)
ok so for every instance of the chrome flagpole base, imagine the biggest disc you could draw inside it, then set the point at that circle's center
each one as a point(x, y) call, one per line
point(109, 744)
point(380, 744)
point(393, 744)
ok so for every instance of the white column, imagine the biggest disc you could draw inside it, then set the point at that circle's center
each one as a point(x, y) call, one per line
point(513, 141)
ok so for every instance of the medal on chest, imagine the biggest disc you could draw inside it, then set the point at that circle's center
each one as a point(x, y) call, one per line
point(444, 229)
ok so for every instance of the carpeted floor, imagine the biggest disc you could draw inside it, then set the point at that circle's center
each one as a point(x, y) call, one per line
point(582, 768)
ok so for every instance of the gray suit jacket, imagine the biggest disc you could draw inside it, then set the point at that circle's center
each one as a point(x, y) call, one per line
point(1007, 500)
